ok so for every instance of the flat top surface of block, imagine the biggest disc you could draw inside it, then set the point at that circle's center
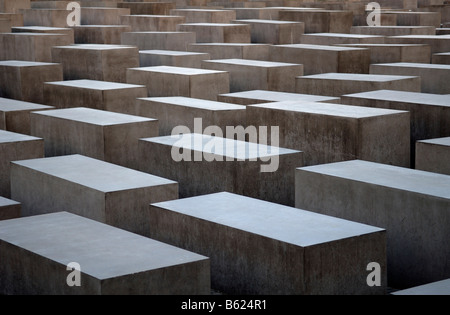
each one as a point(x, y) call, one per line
point(434, 37)
point(320, 47)
point(442, 54)
point(271, 220)
point(438, 141)
point(436, 288)
point(343, 35)
point(415, 65)
point(92, 173)
point(278, 96)
point(345, 111)
point(357, 77)
point(4, 202)
point(157, 16)
point(230, 44)
point(416, 181)
point(405, 97)
point(94, 84)
point(383, 45)
point(170, 53)
point(215, 24)
point(8, 137)
point(20, 63)
point(30, 34)
point(234, 149)
point(202, 10)
point(178, 70)
point(195, 102)
point(102, 251)
point(251, 62)
point(10, 105)
point(267, 21)
point(95, 47)
point(93, 116)
point(100, 26)
point(40, 28)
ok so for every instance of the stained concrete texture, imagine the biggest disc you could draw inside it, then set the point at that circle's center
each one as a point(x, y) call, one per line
point(9, 209)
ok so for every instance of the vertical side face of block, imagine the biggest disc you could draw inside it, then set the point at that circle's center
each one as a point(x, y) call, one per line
point(433, 156)
point(9, 209)
point(78, 64)
point(116, 62)
point(11, 84)
point(354, 61)
point(123, 100)
point(208, 86)
point(61, 96)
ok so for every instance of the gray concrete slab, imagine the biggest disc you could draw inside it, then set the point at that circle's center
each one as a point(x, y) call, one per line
point(15, 146)
point(203, 164)
point(103, 135)
point(148, 7)
point(340, 38)
point(44, 29)
point(438, 44)
point(104, 16)
point(182, 111)
point(112, 194)
point(153, 23)
point(44, 17)
point(264, 96)
point(393, 30)
point(108, 96)
point(435, 288)
point(260, 247)
point(274, 32)
point(357, 132)
point(159, 40)
point(9, 209)
point(111, 261)
point(205, 15)
point(218, 32)
point(233, 50)
point(321, 21)
point(187, 59)
point(442, 58)
point(405, 202)
point(432, 155)
point(100, 34)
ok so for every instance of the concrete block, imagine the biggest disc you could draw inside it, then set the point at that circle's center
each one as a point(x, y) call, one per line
point(37, 260)
point(442, 58)
point(274, 32)
point(182, 111)
point(107, 136)
point(393, 30)
point(430, 113)
point(338, 84)
point(409, 18)
point(438, 44)
point(233, 50)
point(9, 209)
point(31, 46)
point(248, 74)
point(96, 62)
point(15, 115)
point(336, 38)
point(441, 287)
point(24, 80)
point(267, 13)
point(13, 147)
point(211, 164)
point(357, 132)
point(16, 19)
point(150, 58)
point(159, 40)
point(153, 23)
point(45, 17)
point(148, 7)
point(434, 77)
point(432, 155)
point(405, 202)
point(100, 34)
point(112, 194)
point(44, 29)
point(443, 31)
point(180, 81)
point(51, 4)
point(5, 25)
point(388, 53)
point(261, 247)
point(263, 96)
point(103, 16)
point(218, 32)
point(205, 15)
point(12, 6)
point(323, 59)
point(108, 96)
point(320, 21)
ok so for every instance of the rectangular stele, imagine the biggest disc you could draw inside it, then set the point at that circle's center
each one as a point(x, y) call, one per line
point(218, 32)
point(233, 50)
point(411, 205)
point(166, 40)
point(181, 81)
point(13, 147)
point(331, 132)
point(96, 62)
point(64, 254)
point(259, 247)
point(203, 164)
point(95, 189)
point(172, 112)
point(433, 155)
point(103, 135)
point(263, 96)
point(108, 96)
point(9, 209)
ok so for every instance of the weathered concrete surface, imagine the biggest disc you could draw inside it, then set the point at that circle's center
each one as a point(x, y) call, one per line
point(12, 6)
point(9, 209)
point(403, 201)
point(44, 29)
point(182, 111)
point(248, 74)
point(218, 32)
point(13, 147)
point(263, 96)
point(205, 15)
point(434, 77)
point(24, 80)
point(438, 44)
point(442, 58)
point(233, 50)
point(274, 32)
point(323, 59)
point(320, 21)
point(151, 58)
point(435, 288)
point(5, 25)
point(338, 84)
point(180, 81)
point(102, 135)
point(16, 19)
point(357, 132)
point(258, 247)
point(112, 194)
point(159, 40)
point(432, 155)
point(45, 17)
point(100, 34)
point(339, 38)
point(36, 251)
point(214, 164)
point(15, 115)
point(108, 96)
point(148, 7)
point(409, 18)
point(393, 30)
point(154, 23)
point(104, 16)
point(96, 62)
